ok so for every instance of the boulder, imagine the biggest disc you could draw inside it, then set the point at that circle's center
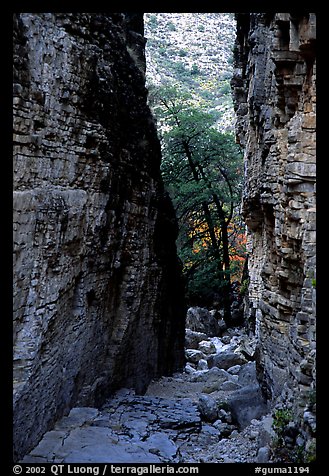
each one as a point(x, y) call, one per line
point(207, 347)
point(225, 429)
point(263, 455)
point(246, 404)
point(212, 375)
point(208, 408)
point(202, 365)
point(224, 416)
point(234, 370)
point(222, 326)
point(247, 347)
point(226, 339)
point(201, 320)
point(237, 315)
point(229, 385)
point(247, 374)
point(214, 384)
point(193, 355)
point(192, 338)
point(189, 369)
point(160, 445)
point(310, 420)
point(266, 431)
point(225, 360)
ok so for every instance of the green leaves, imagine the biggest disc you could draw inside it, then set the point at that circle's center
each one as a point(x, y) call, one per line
point(201, 168)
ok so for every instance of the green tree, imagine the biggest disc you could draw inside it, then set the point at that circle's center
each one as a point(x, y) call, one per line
point(201, 168)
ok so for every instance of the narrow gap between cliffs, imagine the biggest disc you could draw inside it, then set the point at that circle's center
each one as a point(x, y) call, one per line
point(213, 409)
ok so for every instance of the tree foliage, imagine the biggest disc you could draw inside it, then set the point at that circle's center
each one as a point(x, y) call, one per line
point(201, 168)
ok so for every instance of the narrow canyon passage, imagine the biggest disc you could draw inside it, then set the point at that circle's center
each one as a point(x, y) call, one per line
point(108, 365)
point(212, 412)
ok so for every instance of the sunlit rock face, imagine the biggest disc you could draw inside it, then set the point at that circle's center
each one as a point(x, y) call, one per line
point(97, 289)
point(274, 93)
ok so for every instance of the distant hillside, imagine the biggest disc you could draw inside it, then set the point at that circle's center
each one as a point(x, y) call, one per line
point(194, 50)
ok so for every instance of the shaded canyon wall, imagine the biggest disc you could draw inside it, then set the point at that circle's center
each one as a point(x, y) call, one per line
point(274, 94)
point(97, 289)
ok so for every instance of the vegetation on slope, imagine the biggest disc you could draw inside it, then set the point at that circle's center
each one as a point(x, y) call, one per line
point(188, 74)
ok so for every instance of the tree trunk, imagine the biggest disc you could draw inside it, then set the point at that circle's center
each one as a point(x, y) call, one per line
point(205, 207)
point(226, 274)
point(225, 270)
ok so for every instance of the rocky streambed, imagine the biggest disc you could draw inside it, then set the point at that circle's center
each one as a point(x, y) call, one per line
point(212, 412)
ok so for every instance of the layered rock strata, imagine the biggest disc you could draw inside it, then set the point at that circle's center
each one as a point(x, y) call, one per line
point(97, 290)
point(274, 94)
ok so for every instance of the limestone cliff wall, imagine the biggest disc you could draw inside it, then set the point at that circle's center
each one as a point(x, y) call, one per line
point(274, 94)
point(97, 292)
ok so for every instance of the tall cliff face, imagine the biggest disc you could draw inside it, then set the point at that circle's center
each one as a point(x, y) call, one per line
point(97, 290)
point(274, 92)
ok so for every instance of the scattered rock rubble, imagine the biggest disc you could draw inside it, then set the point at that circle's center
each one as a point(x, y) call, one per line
point(211, 412)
